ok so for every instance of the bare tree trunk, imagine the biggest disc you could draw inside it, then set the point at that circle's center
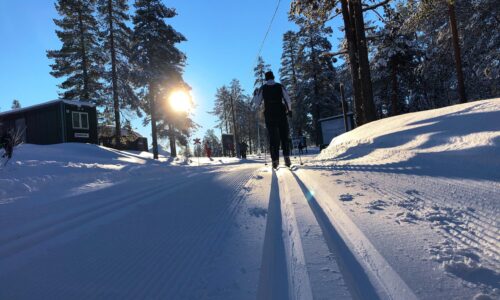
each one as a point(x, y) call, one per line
point(353, 62)
point(249, 130)
point(364, 65)
point(86, 93)
point(114, 79)
point(236, 141)
point(394, 93)
point(456, 48)
point(152, 108)
point(172, 138)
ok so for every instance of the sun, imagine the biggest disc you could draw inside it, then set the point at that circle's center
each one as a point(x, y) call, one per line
point(180, 101)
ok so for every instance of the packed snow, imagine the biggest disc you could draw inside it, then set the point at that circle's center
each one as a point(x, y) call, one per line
point(402, 208)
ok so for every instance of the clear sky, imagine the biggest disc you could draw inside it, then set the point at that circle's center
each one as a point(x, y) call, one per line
point(223, 36)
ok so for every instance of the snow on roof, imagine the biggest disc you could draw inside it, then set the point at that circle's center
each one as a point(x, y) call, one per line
point(66, 101)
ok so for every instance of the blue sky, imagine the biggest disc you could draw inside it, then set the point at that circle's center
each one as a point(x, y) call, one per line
point(223, 36)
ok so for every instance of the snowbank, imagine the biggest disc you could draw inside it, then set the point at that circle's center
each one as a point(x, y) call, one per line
point(78, 168)
point(464, 138)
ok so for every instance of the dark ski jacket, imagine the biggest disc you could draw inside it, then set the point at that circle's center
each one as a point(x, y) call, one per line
point(275, 98)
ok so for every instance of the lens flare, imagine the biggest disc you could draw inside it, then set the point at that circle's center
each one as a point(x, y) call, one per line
point(180, 101)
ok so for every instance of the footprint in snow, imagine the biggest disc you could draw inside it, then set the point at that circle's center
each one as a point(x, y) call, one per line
point(346, 197)
point(257, 212)
point(377, 205)
point(412, 192)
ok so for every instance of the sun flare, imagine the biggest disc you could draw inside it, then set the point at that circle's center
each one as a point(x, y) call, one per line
point(180, 101)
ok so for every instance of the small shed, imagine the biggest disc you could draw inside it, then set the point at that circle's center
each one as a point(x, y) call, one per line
point(334, 126)
point(53, 122)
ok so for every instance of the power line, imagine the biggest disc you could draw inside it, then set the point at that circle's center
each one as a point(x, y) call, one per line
point(269, 28)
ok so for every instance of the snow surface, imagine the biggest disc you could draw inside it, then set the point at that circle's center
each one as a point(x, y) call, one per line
point(401, 208)
point(438, 170)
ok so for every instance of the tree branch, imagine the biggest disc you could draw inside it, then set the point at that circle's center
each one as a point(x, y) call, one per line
point(375, 6)
point(332, 54)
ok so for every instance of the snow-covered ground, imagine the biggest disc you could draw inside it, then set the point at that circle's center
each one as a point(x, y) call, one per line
point(401, 208)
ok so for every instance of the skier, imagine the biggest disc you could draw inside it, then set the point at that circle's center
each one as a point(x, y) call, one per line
point(276, 108)
point(243, 150)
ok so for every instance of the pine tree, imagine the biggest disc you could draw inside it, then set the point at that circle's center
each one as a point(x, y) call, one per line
point(289, 76)
point(79, 60)
point(318, 76)
point(259, 75)
point(116, 36)
point(155, 55)
point(259, 71)
point(176, 126)
point(321, 11)
point(395, 58)
point(234, 110)
point(15, 104)
point(478, 27)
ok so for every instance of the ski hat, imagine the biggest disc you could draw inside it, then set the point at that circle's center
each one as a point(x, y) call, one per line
point(269, 75)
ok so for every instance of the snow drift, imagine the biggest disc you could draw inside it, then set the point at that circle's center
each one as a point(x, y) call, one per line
point(458, 138)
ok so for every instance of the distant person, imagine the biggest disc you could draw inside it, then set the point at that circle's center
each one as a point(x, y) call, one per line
point(243, 150)
point(7, 144)
point(304, 143)
point(301, 148)
point(276, 108)
point(208, 150)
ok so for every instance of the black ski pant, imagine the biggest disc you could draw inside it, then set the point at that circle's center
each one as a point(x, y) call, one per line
point(278, 133)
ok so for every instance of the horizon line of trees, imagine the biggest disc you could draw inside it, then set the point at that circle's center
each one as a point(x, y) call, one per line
point(126, 71)
point(418, 55)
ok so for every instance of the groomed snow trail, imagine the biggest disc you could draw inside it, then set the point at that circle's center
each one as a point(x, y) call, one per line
point(402, 208)
point(156, 241)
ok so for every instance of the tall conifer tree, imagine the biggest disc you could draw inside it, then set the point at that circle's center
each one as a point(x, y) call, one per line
point(116, 36)
point(79, 60)
point(260, 69)
point(155, 55)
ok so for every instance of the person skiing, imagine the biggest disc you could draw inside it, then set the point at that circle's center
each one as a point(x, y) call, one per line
point(276, 109)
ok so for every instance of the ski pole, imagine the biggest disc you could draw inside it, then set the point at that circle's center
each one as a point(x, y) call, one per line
point(300, 159)
point(265, 157)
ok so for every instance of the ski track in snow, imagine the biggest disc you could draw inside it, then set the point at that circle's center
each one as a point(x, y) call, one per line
point(162, 261)
point(464, 215)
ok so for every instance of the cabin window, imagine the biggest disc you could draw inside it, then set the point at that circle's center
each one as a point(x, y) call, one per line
point(80, 120)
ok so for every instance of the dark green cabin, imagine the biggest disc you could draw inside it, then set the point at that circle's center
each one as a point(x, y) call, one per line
point(58, 121)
